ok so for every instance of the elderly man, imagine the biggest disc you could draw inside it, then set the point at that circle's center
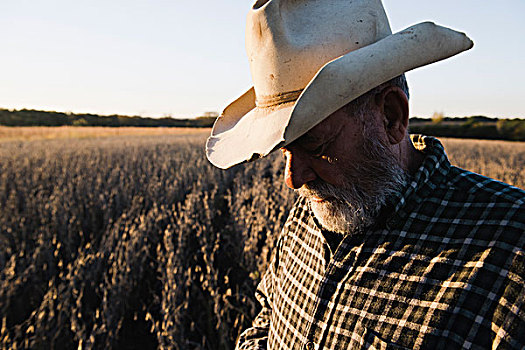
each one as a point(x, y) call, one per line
point(389, 245)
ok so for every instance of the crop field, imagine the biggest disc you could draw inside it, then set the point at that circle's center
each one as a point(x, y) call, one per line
point(32, 133)
point(129, 240)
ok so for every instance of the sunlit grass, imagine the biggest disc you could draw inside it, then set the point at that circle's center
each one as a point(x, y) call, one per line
point(501, 160)
point(31, 133)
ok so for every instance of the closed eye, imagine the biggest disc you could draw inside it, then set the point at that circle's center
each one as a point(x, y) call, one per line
point(318, 152)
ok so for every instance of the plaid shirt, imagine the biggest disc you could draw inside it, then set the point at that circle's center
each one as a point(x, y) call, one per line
point(443, 268)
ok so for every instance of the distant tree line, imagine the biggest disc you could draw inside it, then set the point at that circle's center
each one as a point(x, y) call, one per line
point(478, 127)
point(29, 117)
point(475, 127)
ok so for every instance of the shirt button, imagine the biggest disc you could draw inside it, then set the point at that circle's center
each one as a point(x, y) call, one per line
point(309, 346)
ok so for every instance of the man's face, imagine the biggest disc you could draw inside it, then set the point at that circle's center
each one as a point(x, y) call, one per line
point(346, 171)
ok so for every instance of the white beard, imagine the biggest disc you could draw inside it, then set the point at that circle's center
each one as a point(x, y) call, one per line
point(355, 205)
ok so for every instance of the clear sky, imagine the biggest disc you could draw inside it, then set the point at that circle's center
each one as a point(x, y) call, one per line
point(186, 57)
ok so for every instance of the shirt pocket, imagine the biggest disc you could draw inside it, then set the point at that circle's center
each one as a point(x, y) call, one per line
point(372, 341)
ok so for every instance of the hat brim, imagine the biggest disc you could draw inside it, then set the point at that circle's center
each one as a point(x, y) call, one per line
point(245, 132)
point(241, 137)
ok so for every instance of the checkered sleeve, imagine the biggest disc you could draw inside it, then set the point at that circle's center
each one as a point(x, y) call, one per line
point(508, 320)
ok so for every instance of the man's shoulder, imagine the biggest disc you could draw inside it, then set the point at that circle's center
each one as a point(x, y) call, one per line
point(485, 189)
point(458, 193)
point(474, 199)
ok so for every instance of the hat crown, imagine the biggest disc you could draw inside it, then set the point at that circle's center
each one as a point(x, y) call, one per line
point(320, 54)
point(288, 41)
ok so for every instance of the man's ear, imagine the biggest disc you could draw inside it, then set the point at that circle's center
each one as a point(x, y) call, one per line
point(393, 103)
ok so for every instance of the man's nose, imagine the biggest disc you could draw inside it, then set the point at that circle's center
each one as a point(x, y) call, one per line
point(298, 170)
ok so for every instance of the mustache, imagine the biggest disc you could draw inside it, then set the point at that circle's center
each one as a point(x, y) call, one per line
point(319, 189)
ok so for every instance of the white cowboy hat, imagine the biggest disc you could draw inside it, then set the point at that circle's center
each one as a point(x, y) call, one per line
point(308, 58)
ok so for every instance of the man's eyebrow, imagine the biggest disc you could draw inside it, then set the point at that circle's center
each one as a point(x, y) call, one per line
point(310, 139)
point(321, 140)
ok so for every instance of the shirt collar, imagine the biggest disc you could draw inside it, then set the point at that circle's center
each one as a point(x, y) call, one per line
point(430, 174)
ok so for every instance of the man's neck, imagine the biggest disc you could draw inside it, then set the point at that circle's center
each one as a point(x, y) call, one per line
point(409, 157)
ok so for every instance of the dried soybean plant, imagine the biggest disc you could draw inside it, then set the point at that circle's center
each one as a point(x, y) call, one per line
point(501, 160)
point(131, 242)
